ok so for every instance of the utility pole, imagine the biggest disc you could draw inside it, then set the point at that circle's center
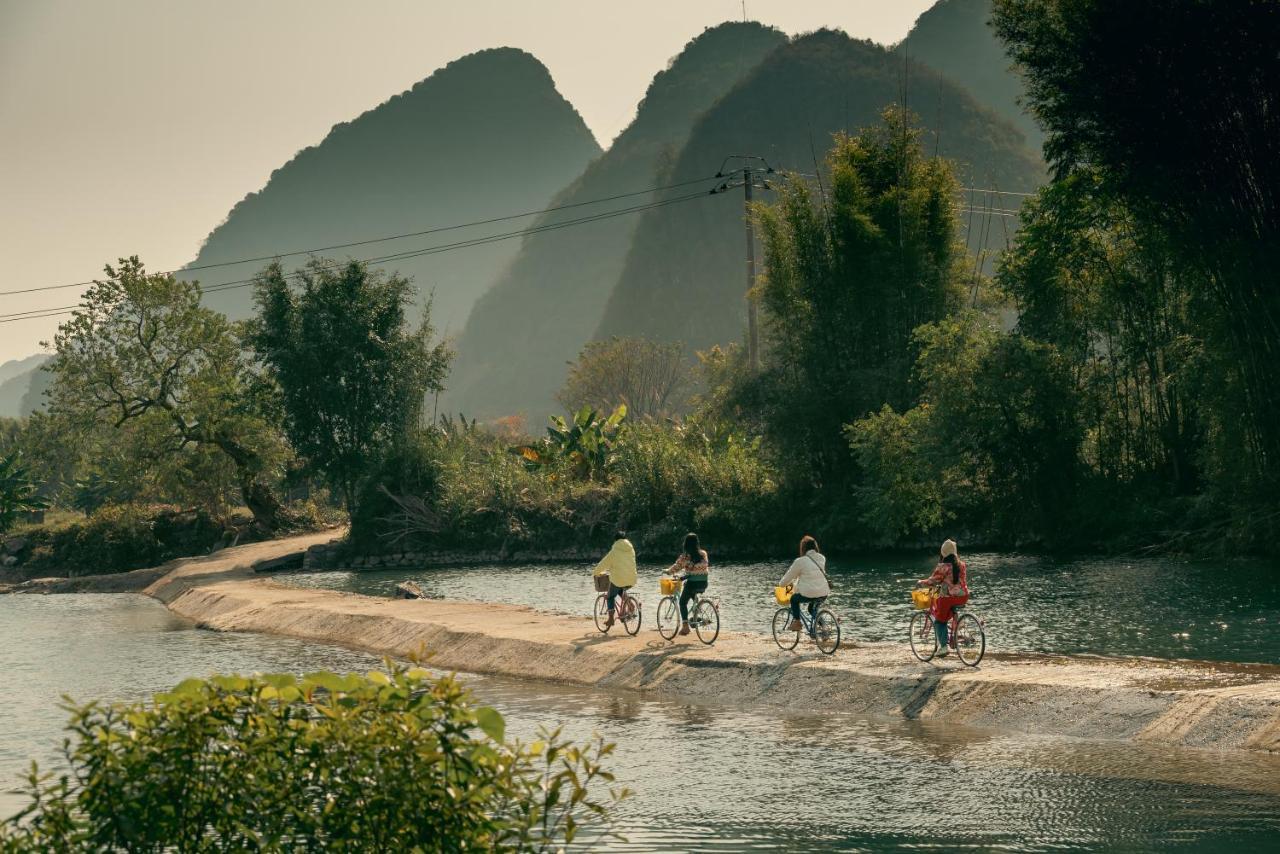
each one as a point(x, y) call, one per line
point(753, 327)
point(752, 177)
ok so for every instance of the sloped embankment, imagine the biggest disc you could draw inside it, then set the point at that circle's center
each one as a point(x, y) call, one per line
point(1196, 704)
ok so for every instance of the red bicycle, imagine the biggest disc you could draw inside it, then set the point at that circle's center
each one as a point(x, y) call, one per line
point(626, 608)
point(966, 634)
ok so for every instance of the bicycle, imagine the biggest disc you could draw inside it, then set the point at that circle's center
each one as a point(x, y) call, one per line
point(966, 633)
point(627, 608)
point(823, 625)
point(704, 614)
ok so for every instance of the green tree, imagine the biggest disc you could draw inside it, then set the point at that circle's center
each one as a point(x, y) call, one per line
point(850, 277)
point(10, 430)
point(1174, 106)
point(19, 492)
point(142, 353)
point(389, 761)
point(1103, 287)
point(652, 379)
point(902, 491)
point(351, 372)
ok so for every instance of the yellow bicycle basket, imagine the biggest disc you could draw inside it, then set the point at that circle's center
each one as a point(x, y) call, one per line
point(670, 586)
point(783, 594)
point(922, 599)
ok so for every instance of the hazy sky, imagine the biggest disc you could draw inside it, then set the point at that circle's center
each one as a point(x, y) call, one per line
point(133, 126)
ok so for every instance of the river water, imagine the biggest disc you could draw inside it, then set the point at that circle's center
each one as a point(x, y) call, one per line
point(706, 777)
point(1112, 607)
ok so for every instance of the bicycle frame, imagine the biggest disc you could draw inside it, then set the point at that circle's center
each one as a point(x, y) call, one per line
point(924, 643)
point(627, 611)
point(823, 617)
point(810, 621)
point(624, 604)
point(953, 625)
point(695, 602)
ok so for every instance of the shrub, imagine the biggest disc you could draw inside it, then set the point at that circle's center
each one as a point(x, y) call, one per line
point(673, 478)
point(458, 486)
point(902, 490)
point(394, 761)
point(18, 490)
point(117, 538)
point(122, 537)
point(410, 470)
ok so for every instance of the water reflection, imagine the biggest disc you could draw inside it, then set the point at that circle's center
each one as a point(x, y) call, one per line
point(1115, 607)
point(707, 777)
point(732, 779)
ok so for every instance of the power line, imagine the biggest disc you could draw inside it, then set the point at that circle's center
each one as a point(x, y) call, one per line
point(423, 233)
point(35, 314)
point(993, 190)
point(984, 210)
point(431, 250)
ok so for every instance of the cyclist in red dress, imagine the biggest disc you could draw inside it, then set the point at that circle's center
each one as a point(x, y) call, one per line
point(951, 576)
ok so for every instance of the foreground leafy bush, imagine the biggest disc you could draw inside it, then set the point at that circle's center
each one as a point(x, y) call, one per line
point(397, 761)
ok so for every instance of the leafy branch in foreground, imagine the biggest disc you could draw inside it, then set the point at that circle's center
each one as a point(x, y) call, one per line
point(388, 761)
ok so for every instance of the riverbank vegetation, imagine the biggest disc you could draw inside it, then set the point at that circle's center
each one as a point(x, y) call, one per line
point(232, 763)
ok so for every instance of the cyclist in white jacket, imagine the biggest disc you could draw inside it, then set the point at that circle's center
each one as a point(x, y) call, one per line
point(809, 575)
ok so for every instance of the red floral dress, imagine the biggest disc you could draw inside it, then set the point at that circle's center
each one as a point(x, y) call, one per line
point(953, 592)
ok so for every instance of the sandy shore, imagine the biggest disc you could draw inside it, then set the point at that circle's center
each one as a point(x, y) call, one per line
point(1196, 704)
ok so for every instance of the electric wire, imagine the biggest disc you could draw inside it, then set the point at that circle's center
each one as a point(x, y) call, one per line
point(371, 240)
point(34, 314)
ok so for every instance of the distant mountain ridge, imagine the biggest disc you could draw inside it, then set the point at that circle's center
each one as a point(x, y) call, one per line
point(487, 135)
point(547, 303)
point(954, 38)
point(684, 279)
point(22, 385)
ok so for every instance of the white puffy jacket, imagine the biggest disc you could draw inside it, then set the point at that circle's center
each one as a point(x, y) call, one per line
point(808, 573)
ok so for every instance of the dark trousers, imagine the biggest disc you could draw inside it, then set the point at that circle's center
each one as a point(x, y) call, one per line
point(797, 600)
point(693, 585)
point(614, 590)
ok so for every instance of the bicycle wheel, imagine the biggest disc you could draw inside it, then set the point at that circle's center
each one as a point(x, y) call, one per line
point(631, 622)
point(782, 636)
point(924, 643)
point(602, 612)
point(826, 631)
point(706, 621)
point(971, 640)
point(668, 617)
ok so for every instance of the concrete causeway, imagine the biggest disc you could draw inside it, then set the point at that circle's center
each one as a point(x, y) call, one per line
point(1190, 703)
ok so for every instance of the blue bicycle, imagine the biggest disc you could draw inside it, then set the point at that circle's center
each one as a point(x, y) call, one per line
point(822, 625)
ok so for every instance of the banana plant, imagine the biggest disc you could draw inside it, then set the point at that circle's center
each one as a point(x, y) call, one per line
point(94, 491)
point(18, 490)
point(585, 444)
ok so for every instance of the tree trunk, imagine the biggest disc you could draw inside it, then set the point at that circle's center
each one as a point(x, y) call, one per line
point(268, 514)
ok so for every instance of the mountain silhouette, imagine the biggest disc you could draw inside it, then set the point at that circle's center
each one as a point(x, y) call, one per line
point(547, 303)
point(954, 37)
point(22, 385)
point(487, 135)
point(685, 276)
